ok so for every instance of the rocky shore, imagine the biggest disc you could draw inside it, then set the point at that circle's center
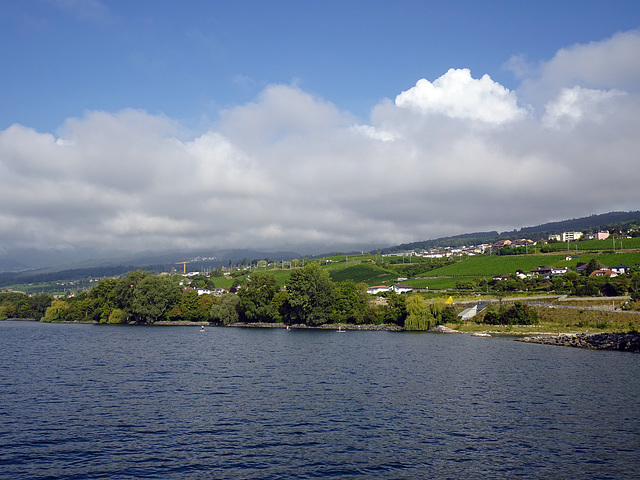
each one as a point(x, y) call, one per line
point(624, 342)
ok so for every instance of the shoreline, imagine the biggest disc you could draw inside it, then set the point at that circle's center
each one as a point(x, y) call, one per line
point(623, 342)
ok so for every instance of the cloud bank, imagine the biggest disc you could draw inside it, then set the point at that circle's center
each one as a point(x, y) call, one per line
point(452, 155)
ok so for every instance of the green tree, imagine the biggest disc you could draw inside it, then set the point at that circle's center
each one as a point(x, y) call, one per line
point(55, 312)
point(186, 308)
point(256, 296)
point(152, 297)
point(106, 299)
point(125, 287)
point(226, 310)
point(202, 281)
point(419, 314)
point(592, 266)
point(395, 310)
point(280, 304)
point(117, 316)
point(310, 296)
point(351, 302)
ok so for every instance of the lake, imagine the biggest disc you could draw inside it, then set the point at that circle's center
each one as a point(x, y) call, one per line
point(124, 402)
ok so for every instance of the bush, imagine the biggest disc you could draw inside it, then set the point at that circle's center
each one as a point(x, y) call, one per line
point(518, 314)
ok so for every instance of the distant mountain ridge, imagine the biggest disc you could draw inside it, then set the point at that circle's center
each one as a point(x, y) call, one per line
point(538, 232)
point(22, 268)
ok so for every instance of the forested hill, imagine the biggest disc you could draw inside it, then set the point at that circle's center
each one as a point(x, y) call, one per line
point(603, 221)
point(595, 222)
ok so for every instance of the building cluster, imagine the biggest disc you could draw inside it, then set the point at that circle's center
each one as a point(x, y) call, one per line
point(469, 250)
point(575, 236)
point(395, 288)
point(551, 272)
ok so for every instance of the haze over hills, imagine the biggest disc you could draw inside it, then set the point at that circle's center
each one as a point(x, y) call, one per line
point(41, 262)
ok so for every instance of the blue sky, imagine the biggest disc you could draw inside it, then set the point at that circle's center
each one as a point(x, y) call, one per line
point(236, 91)
point(190, 59)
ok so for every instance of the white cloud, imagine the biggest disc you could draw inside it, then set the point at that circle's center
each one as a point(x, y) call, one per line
point(575, 104)
point(456, 94)
point(610, 64)
point(292, 168)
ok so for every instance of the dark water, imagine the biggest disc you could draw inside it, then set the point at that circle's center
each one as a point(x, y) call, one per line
point(84, 402)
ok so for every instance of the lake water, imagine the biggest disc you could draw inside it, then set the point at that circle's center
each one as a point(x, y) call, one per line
point(88, 402)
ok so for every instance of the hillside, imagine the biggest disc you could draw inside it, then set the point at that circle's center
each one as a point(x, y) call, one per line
point(603, 221)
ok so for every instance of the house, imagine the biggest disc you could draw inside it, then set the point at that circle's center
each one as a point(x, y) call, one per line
point(604, 273)
point(620, 269)
point(520, 274)
point(549, 272)
point(555, 271)
point(502, 243)
point(375, 290)
point(401, 288)
point(544, 272)
point(501, 277)
point(571, 236)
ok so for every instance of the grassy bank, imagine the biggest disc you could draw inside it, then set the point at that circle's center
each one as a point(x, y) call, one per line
point(562, 319)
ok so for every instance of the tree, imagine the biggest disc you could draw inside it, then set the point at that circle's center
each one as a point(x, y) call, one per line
point(351, 302)
point(395, 310)
point(55, 311)
point(518, 314)
point(202, 281)
point(592, 266)
point(419, 314)
point(152, 297)
point(310, 296)
point(256, 297)
point(187, 307)
point(125, 287)
point(105, 295)
point(226, 310)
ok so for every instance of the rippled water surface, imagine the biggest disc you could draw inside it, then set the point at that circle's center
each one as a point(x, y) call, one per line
point(85, 401)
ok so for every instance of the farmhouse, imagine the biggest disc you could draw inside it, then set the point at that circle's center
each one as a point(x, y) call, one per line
point(377, 289)
point(401, 288)
point(604, 273)
point(620, 269)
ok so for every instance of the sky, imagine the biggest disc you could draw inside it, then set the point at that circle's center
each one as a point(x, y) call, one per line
point(158, 125)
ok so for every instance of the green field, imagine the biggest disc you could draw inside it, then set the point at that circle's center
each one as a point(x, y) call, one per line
point(489, 265)
point(363, 272)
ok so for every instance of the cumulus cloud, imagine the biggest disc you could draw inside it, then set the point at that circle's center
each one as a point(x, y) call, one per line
point(456, 94)
point(291, 168)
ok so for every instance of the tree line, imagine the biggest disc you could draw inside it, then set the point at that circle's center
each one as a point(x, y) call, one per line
point(309, 298)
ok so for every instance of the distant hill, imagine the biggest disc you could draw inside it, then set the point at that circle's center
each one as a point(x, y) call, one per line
point(593, 222)
point(603, 221)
